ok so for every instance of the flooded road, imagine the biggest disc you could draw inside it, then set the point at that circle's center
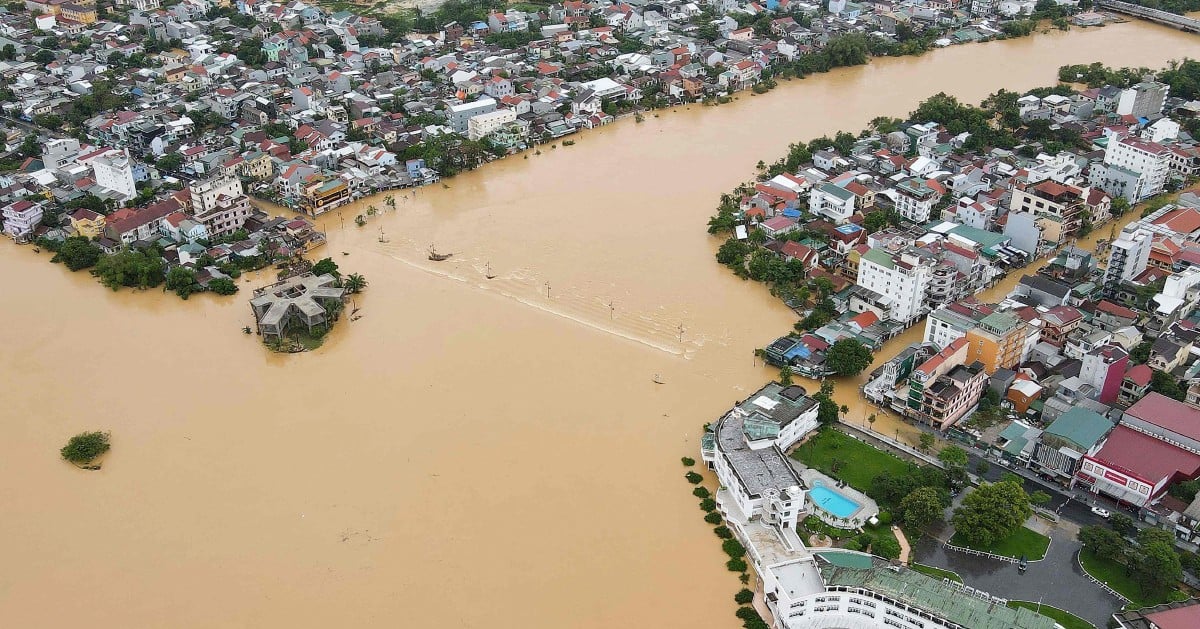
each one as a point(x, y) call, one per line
point(472, 452)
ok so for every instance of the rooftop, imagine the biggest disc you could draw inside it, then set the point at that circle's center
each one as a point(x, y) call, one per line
point(1164, 412)
point(1145, 457)
point(941, 598)
point(1080, 426)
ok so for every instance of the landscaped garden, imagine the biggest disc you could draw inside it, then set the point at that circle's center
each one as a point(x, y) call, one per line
point(1022, 543)
point(936, 573)
point(1116, 576)
point(1064, 618)
point(843, 457)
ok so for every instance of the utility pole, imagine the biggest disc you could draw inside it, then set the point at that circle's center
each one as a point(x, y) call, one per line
point(547, 290)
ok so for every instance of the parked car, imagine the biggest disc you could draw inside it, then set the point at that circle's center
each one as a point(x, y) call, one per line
point(1101, 512)
point(1023, 564)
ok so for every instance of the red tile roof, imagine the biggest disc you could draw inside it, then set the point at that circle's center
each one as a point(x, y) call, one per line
point(1165, 412)
point(1178, 618)
point(1137, 454)
point(1139, 375)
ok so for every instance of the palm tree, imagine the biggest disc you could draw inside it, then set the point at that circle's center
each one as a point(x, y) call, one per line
point(871, 420)
point(355, 282)
point(845, 411)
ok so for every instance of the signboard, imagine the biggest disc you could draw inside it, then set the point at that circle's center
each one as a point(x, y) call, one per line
point(1116, 478)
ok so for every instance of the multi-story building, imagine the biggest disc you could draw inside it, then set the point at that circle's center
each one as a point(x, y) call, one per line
point(746, 450)
point(1148, 162)
point(21, 218)
point(997, 341)
point(893, 285)
point(915, 198)
point(1073, 435)
point(113, 171)
point(1062, 205)
point(1127, 257)
point(320, 195)
point(832, 201)
point(220, 205)
point(457, 116)
point(948, 324)
point(1142, 100)
point(483, 125)
point(951, 396)
point(1104, 368)
point(87, 223)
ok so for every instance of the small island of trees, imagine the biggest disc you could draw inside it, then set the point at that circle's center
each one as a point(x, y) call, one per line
point(84, 448)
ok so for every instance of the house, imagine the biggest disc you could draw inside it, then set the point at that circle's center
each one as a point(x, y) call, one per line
point(21, 218)
point(87, 223)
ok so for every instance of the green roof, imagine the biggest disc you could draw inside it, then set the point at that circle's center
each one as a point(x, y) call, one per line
point(1015, 434)
point(1082, 427)
point(837, 191)
point(860, 561)
point(986, 239)
point(941, 598)
point(880, 257)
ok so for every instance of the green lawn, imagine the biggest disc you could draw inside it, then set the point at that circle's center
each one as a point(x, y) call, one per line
point(1113, 575)
point(857, 463)
point(1064, 618)
point(1024, 542)
point(936, 573)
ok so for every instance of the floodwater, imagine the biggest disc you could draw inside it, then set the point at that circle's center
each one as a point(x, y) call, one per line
point(471, 452)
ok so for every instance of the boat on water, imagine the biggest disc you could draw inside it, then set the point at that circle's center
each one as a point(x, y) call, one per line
point(438, 257)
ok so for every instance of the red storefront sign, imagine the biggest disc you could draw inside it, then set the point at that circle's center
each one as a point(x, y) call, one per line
point(1116, 478)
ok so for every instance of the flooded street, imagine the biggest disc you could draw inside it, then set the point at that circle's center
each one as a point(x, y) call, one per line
point(472, 452)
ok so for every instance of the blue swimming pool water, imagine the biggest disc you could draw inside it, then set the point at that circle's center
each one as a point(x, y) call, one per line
point(831, 501)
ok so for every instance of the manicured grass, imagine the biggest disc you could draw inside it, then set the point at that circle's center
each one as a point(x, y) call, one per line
point(1062, 617)
point(1112, 574)
point(858, 463)
point(936, 573)
point(1023, 542)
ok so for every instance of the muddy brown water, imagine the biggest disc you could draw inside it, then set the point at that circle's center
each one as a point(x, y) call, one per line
point(471, 452)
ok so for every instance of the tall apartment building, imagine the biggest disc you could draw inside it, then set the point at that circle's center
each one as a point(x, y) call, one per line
point(1142, 100)
point(1062, 205)
point(113, 171)
point(894, 284)
point(997, 342)
point(1127, 257)
point(1133, 168)
point(915, 198)
point(220, 204)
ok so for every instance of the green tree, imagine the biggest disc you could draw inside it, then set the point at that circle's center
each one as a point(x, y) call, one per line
point(1102, 542)
point(222, 286)
point(955, 460)
point(355, 283)
point(182, 280)
point(77, 253)
point(848, 357)
point(1168, 385)
point(743, 597)
point(991, 513)
point(131, 268)
point(326, 266)
point(921, 507)
point(926, 442)
point(886, 546)
point(85, 447)
point(169, 163)
point(1156, 567)
point(1039, 498)
point(1122, 524)
point(693, 478)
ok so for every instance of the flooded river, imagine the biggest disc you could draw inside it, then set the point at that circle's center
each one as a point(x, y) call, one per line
point(470, 453)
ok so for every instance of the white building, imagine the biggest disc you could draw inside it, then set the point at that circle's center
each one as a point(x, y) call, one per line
point(113, 171)
point(60, 152)
point(220, 204)
point(915, 198)
point(1151, 162)
point(1142, 100)
point(457, 116)
point(895, 284)
point(833, 202)
point(1127, 258)
point(21, 218)
point(483, 125)
point(944, 326)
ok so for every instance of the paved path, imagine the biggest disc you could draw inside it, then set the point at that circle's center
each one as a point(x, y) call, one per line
point(905, 549)
point(1056, 580)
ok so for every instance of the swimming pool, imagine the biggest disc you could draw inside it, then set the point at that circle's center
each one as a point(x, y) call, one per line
point(831, 501)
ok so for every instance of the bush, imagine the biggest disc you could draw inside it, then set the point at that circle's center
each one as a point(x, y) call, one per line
point(886, 546)
point(688, 461)
point(77, 253)
point(885, 518)
point(733, 548)
point(712, 518)
point(222, 286)
point(736, 565)
point(693, 478)
point(743, 596)
point(701, 492)
point(708, 504)
point(723, 532)
point(85, 447)
point(852, 545)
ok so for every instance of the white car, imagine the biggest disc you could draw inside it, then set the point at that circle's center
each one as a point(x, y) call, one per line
point(1101, 512)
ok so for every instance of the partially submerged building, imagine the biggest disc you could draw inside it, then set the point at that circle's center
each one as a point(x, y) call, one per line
point(302, 299)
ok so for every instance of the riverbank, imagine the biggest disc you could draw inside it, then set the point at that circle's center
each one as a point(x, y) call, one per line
point(433, 452)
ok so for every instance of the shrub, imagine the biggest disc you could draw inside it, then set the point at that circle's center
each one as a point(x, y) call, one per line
point(733, 548)
point(85, 447)
point(712, 518)
point(743, 596)
point(708, 504)
point(885, 518)
point(701, 492)
point(736, 565)
point(723, 532)
point(222, 286)
point(746, 613)
point(693, 478)
point(852, 545)
point(688, 461)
